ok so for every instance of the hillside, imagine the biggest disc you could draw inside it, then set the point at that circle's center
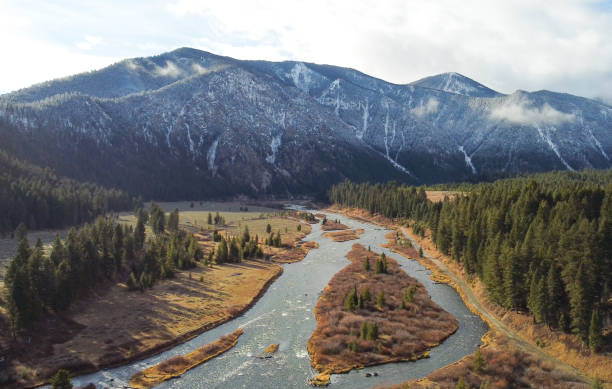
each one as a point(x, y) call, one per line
point(188, 124)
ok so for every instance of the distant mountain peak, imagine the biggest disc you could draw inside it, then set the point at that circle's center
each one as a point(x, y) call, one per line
point(456, 83)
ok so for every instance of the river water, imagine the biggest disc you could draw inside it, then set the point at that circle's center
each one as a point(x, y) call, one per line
point(285, 315)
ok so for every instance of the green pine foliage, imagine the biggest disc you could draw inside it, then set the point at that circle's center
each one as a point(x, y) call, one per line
point(40, 199)
point(61, 380)
point(37, 283)
point(539, 243)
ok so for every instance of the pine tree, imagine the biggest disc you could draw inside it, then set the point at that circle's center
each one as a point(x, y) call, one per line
point(61, 380)
point(595, 332)
point(597, 384)
point(209, 220)
point(579, 308)
point(366, 264)
point(479, 362)
point(381, 301)
point(173, 220)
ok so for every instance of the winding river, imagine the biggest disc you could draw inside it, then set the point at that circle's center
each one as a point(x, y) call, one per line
point(285, 315)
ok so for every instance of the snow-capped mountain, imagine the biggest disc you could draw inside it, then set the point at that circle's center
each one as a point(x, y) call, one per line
point(189, 123)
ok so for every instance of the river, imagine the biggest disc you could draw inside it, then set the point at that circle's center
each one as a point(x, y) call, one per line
point(285, 315)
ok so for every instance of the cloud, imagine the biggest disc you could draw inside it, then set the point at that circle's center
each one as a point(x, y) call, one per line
point(170, 70)
point(429, 108)
point(521, 112)
point(562, 45)
point(89, 42)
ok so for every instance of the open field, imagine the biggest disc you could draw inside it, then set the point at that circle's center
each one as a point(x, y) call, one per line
point(178, 365)
point(406, 327)
point(437, 196)
point(564, 351)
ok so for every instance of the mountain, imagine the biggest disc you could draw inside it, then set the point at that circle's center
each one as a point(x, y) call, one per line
point(456, 83)
point(188, 124)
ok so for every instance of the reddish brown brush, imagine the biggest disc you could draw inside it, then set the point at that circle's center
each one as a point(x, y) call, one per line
point(405, 333)
point(331, 226)
point(503, 368)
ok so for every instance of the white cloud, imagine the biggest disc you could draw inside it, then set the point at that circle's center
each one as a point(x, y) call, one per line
point(522, 112)
point(170, 70)
point(89, 42)
point(425, 109)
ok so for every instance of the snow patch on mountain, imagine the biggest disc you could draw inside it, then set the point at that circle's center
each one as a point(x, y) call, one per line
point(364, 117)
point(597, 143)
point(468, 160)
point(546, 138)
point(211, 155)
point(274, 146)
point(302, 76)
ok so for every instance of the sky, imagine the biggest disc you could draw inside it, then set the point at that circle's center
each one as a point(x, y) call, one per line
point(563, 46)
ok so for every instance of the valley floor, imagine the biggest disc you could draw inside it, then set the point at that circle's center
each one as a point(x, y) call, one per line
point(114, 325)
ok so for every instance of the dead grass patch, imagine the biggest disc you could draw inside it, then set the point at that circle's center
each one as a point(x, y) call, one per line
point(332, 226)
point(504, 367)
point(342, 236)
point(437, 196)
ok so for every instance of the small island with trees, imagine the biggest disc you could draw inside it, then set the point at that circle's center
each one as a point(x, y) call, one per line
point(371, 313)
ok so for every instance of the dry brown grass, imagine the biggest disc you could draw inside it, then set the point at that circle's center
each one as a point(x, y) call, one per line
point(332, 225)
point(178, 365)
point(504, 368)
point(404, 334)
point(437, 196)
point(342, 236)
point(117, 326)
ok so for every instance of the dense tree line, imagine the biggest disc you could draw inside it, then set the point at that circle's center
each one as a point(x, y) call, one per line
point(37, 282)
point(541, 244)
point(40, 199)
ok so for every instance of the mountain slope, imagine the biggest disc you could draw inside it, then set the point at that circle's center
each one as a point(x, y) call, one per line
point(456, 83)
point(187, 124)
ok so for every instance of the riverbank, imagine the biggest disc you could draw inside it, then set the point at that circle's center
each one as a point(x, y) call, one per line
point(119, 326)
point(368, 317)
point(180, 364)
point(114, 326)
point(559, 349)
point(500, 365)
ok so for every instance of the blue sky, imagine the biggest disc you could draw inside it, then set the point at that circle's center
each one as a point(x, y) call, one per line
point(507, 45)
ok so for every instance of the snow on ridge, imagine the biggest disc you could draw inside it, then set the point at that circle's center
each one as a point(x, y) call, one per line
point(274, 146)
point(546, 138)
point(455, 84)
point(211, 155)
point(468, 160)
point(596, 141)
point(365, 115)
point(302, 76)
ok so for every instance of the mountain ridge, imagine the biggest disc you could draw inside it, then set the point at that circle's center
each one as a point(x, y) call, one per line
point(217, 118)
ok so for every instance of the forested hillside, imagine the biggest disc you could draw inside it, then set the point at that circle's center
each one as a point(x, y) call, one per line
point(541, 244)
point(40, 199)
